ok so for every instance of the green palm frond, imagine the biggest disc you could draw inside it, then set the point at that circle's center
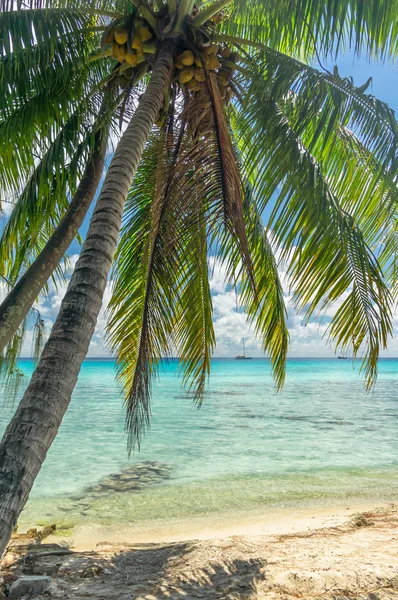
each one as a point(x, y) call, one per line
point(142, 306)
point(324, 245)
point(354, 136)
point(300, 26)
point(325, 102)
point(11, 375)
point(34, 41)
point(45, 195)
point(263, 302)
point(29, 127)
point(194, 336)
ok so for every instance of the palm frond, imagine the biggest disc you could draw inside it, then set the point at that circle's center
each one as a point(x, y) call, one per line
point(299, 26)
point(142, 305)
point(322, 241)
point(44, 198)
point(325, 102)
point(194, 332)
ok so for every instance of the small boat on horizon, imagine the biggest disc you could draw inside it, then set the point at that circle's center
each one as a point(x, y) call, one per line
point(341, 358)
point(243, 356)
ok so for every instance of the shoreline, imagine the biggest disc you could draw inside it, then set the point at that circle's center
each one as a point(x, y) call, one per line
point(269, 521)
point(325, 554)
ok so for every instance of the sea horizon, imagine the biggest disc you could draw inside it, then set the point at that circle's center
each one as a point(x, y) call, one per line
point(289, 358)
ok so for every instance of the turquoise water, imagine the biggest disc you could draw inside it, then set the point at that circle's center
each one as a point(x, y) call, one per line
point(322, 438)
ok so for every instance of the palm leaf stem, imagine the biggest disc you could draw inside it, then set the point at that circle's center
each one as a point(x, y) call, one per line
point(209, 12)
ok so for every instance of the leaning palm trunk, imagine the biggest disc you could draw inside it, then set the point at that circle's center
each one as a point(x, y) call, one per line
point(40, 412)
point(16, 305)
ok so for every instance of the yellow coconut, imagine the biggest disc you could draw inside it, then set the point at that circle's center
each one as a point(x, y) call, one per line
point(136, 43)
point(131, 59)
point(213, 63)
point(199, 75)
point(198, 61)
point(118, 51)
point(186, 75)
point(140, 58)
point(120, 35)
point(145, 34)
point(178, 63)
point(187, 58)
point(193, 85)
point(209, 49)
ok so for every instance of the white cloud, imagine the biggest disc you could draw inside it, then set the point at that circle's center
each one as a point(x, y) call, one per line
point(230, 323)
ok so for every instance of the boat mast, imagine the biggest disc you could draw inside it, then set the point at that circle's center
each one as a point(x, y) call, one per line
point(244, 350)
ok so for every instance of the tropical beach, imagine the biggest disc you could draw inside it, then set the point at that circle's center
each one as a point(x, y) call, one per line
point(304, 480)
point(250, 459)
point(198, 299)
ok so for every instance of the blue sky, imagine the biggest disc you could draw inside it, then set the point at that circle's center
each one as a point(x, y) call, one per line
point(230, 324)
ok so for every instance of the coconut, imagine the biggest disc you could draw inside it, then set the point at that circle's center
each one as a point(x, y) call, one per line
point(187, 58)
point(198, 61)
point(193, 85)
point(120, 35)
point(178, 63)
point(145, 34)
point(118, 51)
point(223, 91)
point(226, 52)
point(211, 49)
point(186, 75)
point(161, 120)
point(199, 75)
point(137, 43)
point(213, 63)
point(131, 59)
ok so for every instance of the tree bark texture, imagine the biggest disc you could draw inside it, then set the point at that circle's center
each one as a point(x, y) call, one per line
point(39, 414)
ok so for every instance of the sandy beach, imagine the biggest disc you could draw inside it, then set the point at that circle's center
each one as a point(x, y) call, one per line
point(272, 521)
point(321, 555)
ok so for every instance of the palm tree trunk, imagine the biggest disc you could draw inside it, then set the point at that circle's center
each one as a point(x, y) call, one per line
point(39, 414)
point(16, 305)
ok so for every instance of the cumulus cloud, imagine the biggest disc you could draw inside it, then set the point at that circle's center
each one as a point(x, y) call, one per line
point(230, 321)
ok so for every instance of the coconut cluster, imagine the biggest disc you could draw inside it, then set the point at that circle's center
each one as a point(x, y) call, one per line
point(141, 42)
point(191, 66)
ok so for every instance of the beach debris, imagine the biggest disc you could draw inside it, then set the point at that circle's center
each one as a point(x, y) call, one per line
point(33, 536)
point(92, 571)
point(31, 585)
point(361, 520)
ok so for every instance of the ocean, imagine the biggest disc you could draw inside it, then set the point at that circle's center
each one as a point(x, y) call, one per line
point(324, 438)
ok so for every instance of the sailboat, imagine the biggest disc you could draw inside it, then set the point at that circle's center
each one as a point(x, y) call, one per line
point(243, 356)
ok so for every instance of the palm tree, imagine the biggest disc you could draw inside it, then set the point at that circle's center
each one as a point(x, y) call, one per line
point(18, 302)
point(241, 122)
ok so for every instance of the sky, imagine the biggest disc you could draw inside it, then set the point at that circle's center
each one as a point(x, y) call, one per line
point(229, 322)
